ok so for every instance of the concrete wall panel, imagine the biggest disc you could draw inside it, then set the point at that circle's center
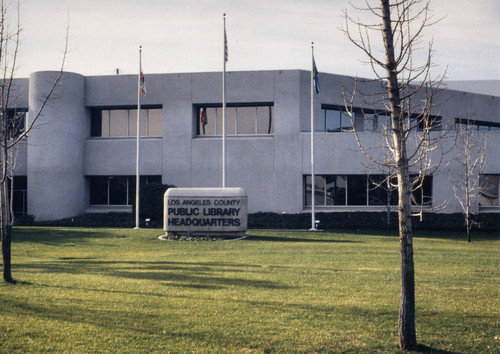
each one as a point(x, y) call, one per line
point(117, 156)
point(249, 164)
point(121, 90)
point(56, 186)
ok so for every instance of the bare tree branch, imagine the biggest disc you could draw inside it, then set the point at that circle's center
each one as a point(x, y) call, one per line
point(10, 134)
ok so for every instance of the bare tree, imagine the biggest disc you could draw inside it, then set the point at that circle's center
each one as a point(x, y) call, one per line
point(12, 123)
point(471, 160)
point(402, 102)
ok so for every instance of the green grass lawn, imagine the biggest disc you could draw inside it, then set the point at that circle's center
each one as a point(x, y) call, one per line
point(103, 290)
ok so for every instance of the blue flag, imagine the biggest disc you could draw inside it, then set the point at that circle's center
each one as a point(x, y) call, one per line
point(315, 77)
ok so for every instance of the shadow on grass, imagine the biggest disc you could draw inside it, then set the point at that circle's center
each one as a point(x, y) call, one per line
point(424, 234)
point(181, 274)
point(458, 235)
point(313, 239)
point(53, 237)
point(101, 290)
point(421, 348)
point(78, 314)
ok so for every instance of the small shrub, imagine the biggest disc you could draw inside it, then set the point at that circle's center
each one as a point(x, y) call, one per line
point(151, 200)
point(126, 220)
point(369, 220)
point(25, 220)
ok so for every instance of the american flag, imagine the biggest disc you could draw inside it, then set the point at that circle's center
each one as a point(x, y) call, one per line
point(203, 118)
point(143, 84)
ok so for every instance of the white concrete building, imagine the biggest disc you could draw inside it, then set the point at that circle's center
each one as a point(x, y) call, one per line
point(80, 157)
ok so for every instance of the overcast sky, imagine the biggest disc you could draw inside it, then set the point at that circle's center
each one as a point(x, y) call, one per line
point(186, 36)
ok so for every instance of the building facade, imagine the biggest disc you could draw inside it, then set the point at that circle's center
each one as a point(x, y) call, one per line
point(80, 156)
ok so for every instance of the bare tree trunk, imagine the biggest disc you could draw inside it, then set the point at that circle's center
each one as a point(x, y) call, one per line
point(388, 195)
point(467, 187)
point(5, 227)
point(6, 254)
point(467, 209)
point(406, 325)
point(468, 226)
point(406, 328)
point(11, 199)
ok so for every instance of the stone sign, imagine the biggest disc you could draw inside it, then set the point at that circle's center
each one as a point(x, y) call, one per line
point(205, 210)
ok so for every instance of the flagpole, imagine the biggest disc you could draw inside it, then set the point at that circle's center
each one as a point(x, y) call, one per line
point(137, 175)
point(224, 107)
point(313, 183)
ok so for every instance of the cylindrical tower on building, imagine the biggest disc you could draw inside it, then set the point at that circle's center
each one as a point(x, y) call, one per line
point(56, 182)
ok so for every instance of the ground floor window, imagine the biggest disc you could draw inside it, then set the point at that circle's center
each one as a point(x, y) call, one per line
point(362, 190)
point(489, 190)
point(16, 121)
point(116, 190)
point(20, 195)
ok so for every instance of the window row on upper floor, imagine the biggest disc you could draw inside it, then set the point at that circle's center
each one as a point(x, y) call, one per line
point(336, 119)
point(106, 122)
point(241, 119)
point(461, 123)
point(248, 119)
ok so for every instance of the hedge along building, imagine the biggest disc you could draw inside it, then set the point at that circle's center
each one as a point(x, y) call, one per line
point(80, 157)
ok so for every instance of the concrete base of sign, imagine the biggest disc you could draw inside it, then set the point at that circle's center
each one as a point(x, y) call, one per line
point(208, 234)
point(205, 211)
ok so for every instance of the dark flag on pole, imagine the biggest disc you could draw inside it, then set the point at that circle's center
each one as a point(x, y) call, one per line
point(315, 77)
point(226, 52)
